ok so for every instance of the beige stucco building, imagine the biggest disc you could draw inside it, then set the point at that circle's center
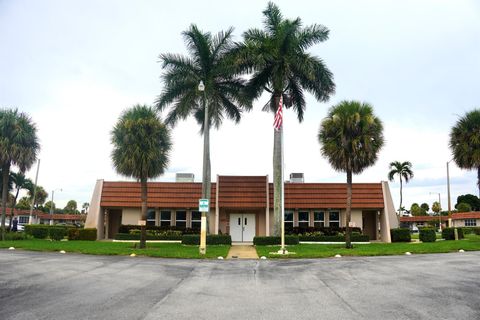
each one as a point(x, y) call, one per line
point(242, 206)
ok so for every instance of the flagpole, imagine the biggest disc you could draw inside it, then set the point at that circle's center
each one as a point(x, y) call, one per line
point(282, 203)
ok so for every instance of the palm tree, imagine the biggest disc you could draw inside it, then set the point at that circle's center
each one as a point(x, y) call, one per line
point(351, 137)
point(85, 206)
point(18, 146)
point(141, 146)
point(209, 62)
point(404, 171)
point(465, 142)
point(277, 59)
point(21, 182)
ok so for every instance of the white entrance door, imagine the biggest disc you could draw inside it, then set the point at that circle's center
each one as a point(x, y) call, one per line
point(242, 227)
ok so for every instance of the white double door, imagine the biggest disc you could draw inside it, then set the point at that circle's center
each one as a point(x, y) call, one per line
point(242, 227)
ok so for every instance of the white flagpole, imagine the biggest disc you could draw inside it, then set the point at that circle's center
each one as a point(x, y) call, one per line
point(282, 203)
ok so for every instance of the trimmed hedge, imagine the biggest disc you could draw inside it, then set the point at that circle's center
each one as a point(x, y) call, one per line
point(427, 235)
point(471, 230)
point(212, 239)
point(42, 231)
point(126, 229)
point(136, 236)
point(449, 233)
point(353, 238)
point(89, 234)
point(400, 235)
point(270, 241)
point(328, 231)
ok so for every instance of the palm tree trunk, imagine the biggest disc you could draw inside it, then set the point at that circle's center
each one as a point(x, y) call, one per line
point(401, 199)
point(13, 207)
point(478, 180)
point(143, 228)
point(6, 173)
point(348, 231)
point(206, 170)
point(277, 177)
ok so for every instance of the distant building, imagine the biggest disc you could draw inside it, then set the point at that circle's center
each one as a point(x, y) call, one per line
point(242, 206)
point(40, 217)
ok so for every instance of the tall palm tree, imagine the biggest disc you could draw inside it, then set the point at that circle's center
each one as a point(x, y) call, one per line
point(277, 59)
point(465, 142)
point(141, 146)
point(208, 61)
point(404, 172)
point(18, 146)
point(21, 182)
point(351, 137)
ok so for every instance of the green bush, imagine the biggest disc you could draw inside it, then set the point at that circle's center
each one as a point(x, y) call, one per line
point(272, 240)
point(38, 231)
point(13, 236)
point(212, 239)
point(57, 233)
point(136, 236)
point(449, 233)
point(339, 238)
point(471, 230)
point(427, 235)
point(400, 235)
point(89, 234)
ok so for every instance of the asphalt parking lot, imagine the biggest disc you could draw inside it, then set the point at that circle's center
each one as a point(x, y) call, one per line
point(72, 286)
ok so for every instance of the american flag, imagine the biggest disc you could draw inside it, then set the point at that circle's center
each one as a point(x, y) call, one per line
point(277, 122)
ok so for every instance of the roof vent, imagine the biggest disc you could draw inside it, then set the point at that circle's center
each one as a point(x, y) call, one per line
point(296, 177)
point(184, 177)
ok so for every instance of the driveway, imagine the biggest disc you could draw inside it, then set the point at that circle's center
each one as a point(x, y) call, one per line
point(55, 286)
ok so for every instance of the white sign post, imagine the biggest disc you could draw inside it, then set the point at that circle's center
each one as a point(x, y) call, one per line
point(203, 207)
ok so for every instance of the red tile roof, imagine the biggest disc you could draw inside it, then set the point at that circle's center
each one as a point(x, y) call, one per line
point(43, 215)
point(243, 192)
point(466, 215)
point(422, 218)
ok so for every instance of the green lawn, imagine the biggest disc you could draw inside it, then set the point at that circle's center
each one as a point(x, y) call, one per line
point(472, 243)
point(163, 250)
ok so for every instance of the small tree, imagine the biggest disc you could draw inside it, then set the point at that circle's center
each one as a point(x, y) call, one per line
point(404, 172)
point(425, 207)
point(71, 207)
point(436, 207)
point(141, 144)
point(85, 207)
point(471, 199)
point(351, 137)
point(463, 207)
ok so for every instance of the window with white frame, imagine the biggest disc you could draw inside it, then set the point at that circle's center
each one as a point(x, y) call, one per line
point(181, 219)
point(23, 219)
point(288, 219)
point(470, 222)
point(303, 219)
point(319, 219)
point(165, 218)
point(151, 217)
point(196, 220)
point(334, 219)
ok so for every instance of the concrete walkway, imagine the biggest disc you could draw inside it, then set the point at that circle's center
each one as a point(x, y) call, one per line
point(242, 252)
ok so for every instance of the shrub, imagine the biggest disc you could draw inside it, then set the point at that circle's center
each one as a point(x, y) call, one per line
point(57, 233)
point(273, 240)
point(449, 233)
point(127, 228)
point(136, 236)
point(400, 235)
point(38, 231)
point(212, 239)
point(329, 231)
point(427, 235)
point(17, 236)
point(89, 234)
point(340, 238)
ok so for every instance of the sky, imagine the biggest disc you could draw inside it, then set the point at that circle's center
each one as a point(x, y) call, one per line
point(74, 66)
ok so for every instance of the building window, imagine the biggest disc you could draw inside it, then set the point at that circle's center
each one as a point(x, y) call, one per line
point(181, 219)
point(151, 217)
point(288, 219)
point(165, 218)
point(319, 219)
point(334, 219)
point(23, 219)
point(196, 220)
point(470, 222)
point(303, 219)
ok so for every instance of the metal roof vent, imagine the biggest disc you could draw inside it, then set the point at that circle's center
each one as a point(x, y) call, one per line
point(297, 177)
point(184, 177)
